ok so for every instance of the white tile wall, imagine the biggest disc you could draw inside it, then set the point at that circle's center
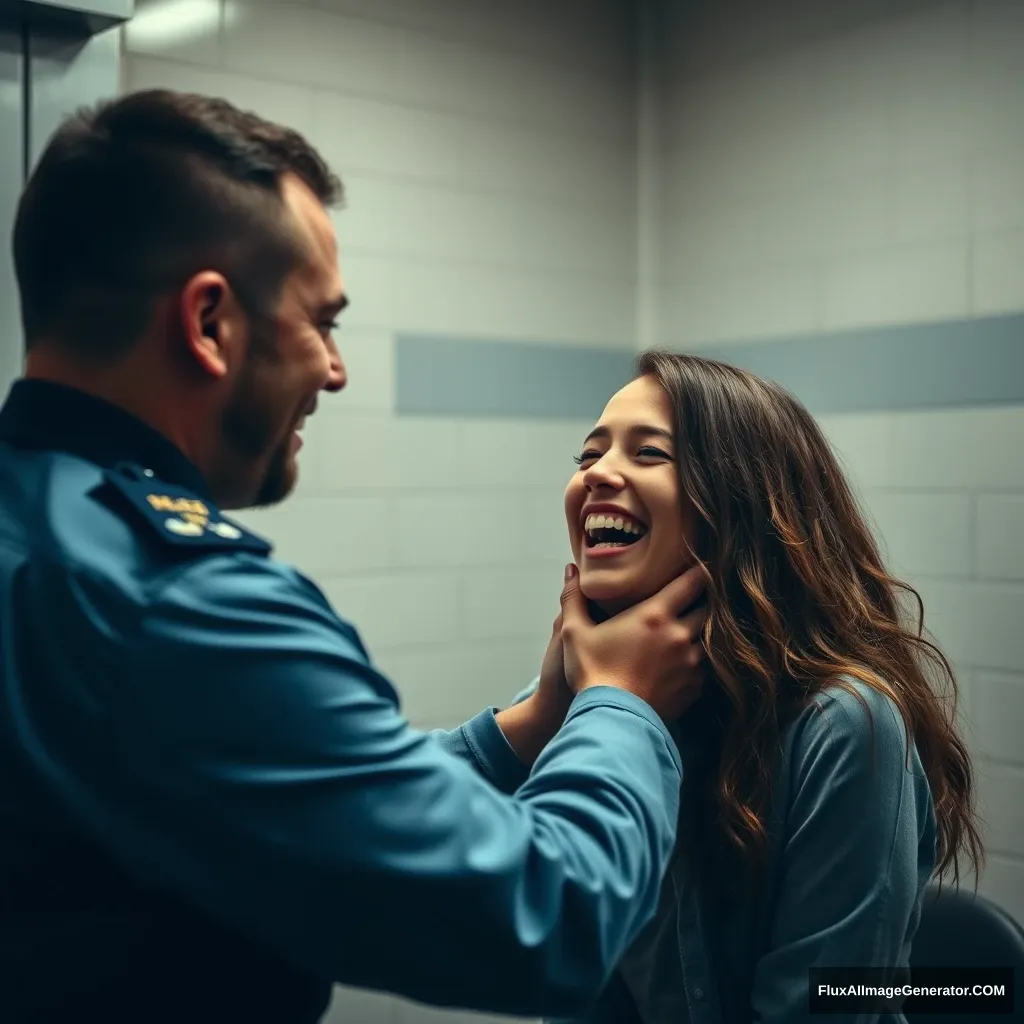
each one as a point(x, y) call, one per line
point(873, 172)
point(999, 542)
point(488, 156)
point(899, 285)
point(998, 279)
point(437, 683)
point(924, 532)
point(997, 709)
point(837, 165)
point(996, 202)
point(441, 223)
point(509, 28)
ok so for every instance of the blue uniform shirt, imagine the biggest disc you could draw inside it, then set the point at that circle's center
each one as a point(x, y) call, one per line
point(211, 807)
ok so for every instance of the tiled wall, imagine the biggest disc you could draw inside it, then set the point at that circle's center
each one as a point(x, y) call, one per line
point(487, 151)
point(843, 165)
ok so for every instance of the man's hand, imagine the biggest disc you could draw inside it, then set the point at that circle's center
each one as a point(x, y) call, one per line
point(530, 725)
point(648, 650)
point(553, 692)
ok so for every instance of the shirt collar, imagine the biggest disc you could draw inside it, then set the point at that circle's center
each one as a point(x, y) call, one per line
point(42, 415)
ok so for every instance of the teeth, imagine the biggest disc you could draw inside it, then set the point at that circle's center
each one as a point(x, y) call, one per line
point(600, 522)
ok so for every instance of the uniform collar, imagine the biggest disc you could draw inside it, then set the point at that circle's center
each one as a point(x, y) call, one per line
point(42, 415)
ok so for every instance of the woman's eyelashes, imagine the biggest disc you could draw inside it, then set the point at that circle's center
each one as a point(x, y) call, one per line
point(647, 452)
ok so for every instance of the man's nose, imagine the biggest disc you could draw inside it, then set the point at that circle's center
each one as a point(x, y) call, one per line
point(337, 378)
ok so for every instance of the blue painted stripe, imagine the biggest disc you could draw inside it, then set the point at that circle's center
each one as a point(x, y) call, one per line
point(916, 366)
point(441, 376)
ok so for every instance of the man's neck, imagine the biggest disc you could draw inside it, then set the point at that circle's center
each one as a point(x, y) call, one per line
point(118, 384)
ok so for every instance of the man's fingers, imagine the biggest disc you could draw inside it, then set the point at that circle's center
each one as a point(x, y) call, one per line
point(573, 603)
point(693, 656)
point(679, 594)
point(693, 622)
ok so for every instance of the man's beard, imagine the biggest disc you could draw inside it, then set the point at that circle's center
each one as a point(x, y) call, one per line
point(252, 431)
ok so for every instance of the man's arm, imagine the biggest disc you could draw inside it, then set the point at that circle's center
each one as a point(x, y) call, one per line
point(255, 762)
point(503, 745)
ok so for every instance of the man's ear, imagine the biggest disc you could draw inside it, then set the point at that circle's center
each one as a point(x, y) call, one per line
point(213, 324)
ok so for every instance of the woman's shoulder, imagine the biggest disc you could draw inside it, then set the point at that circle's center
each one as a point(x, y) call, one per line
point(852, 728)
point(850, 766)
point(848, 708)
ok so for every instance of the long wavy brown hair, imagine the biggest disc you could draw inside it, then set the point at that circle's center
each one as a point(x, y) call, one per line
point(798, 597)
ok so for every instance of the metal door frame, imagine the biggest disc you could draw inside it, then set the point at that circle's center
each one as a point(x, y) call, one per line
point(55, 57)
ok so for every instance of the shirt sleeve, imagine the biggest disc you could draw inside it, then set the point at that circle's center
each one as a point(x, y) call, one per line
point(256, 762)
point(858, 849)
point(481, 744)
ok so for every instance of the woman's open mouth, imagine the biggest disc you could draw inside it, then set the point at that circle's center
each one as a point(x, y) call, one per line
point(606, 535)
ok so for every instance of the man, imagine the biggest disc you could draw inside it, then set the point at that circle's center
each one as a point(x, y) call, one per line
point(210, 806)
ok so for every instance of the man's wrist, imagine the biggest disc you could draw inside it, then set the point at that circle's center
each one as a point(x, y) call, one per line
point(531, 724)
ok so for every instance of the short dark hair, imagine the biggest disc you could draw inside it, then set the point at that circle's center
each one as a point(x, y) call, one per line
point(134, 196)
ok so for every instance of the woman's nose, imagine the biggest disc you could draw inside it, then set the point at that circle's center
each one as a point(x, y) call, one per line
point(604, 473)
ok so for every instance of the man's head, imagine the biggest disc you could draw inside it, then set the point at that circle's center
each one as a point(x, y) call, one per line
point(175, 255)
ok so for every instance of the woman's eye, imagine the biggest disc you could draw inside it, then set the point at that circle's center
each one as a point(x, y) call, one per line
point(647, 452)
point(586, 456)
point(650, 452)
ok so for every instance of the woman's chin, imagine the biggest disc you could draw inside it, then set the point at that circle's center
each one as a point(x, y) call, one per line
point(613, 596)
point(610, 600)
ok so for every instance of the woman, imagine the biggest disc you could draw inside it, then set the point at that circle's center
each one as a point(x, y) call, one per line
point(825, 783)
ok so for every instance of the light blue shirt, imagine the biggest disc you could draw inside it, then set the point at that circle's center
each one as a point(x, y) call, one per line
point(853, 842)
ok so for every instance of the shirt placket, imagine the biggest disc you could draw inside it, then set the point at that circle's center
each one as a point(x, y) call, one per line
point(698, 980)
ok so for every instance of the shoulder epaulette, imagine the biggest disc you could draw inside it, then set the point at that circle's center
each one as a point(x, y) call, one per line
point(177, 516)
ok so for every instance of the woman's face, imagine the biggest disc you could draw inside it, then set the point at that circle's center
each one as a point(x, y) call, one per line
point(629, 532)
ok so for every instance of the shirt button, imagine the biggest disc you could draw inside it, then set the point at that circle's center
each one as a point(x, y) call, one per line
point(698, 993)
point(147, 472)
